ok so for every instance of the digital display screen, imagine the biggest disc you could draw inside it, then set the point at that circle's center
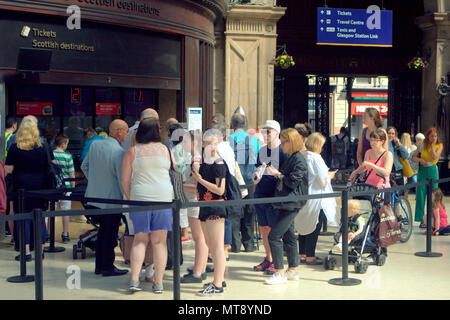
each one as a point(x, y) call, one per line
point(75, 95)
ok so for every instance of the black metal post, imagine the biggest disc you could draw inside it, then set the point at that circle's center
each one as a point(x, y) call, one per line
point(429, 208)
point(325, 227)
point(345, 280)
point(23, 262)
point(176, 234)
point(52, 247)
point(38, 284)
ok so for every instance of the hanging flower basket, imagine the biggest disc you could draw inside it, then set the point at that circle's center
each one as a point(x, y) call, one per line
point(418, 63)
point(284, 61)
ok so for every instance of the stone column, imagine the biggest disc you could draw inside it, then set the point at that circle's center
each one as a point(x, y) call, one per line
point(249, 51)
point(435, 26)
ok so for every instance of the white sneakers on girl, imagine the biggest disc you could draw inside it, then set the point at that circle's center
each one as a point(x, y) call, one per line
point(276, 278)
point(291, 276)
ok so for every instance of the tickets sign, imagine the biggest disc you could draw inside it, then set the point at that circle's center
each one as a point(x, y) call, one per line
point(34, 108)
point(105, 109)
point(358, 108)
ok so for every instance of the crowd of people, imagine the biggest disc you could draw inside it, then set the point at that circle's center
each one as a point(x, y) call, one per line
point(134, 164)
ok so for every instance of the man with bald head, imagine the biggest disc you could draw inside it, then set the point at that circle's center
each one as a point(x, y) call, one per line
point(146, 113)
point(102, 168)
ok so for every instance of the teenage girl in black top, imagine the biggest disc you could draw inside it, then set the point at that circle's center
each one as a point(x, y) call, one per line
point(211, 186)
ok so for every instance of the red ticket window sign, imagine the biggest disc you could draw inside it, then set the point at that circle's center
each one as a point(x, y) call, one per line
point(24, 108)
point(105, 109)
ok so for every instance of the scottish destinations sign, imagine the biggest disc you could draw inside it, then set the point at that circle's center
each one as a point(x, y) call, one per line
point(354, 27)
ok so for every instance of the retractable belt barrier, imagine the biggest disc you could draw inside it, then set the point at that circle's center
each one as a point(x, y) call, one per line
point(135, 206)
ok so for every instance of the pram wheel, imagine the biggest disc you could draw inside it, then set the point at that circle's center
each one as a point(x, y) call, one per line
point(75, 252)
point(361, 266)
point(380, 260)
point(330, 263)
point(83, 251)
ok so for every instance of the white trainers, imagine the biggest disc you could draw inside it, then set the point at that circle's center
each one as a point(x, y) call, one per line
point(338, 247)
point(276, 278)
point(291, 276)
point(150, 273)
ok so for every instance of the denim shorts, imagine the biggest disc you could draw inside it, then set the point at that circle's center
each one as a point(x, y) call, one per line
point(148, 221)
point(266, 214)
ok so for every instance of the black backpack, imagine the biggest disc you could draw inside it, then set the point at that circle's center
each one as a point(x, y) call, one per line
point(339, 145)
point(55, 176)
point(232, 192)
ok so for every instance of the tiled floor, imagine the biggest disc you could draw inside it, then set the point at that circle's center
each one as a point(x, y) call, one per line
point(404, 276)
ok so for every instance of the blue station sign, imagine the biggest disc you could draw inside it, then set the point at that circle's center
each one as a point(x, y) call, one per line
point(354, 27)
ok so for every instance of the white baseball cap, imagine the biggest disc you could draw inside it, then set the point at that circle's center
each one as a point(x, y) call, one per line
point(272, 124)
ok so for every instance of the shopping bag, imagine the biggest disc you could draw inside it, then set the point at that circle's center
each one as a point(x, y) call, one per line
point(387, 232)
point(126, 242)
point(407, 170)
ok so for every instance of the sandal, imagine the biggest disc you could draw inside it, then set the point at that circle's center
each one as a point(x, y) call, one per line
point(302, 260)
point(317, 261)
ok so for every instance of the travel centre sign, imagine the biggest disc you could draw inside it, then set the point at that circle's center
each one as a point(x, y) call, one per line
point(354, 27)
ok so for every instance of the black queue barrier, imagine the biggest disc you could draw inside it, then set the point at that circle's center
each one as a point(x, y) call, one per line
point(38, 215)
point(51, 248)
point(345, 280)
point(23, 277)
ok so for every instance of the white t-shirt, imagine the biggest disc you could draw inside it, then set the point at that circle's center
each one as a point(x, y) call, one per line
point(308, 217)
point(227, 154)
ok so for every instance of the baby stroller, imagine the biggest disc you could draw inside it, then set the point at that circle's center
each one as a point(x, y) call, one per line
point(364, 243)
point(89, 238)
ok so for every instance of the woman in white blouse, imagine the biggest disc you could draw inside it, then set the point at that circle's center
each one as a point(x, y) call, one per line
point(310, 218)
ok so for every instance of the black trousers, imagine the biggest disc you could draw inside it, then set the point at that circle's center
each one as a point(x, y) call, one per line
point(243, 228)
point(106, 240)
point(307, 243)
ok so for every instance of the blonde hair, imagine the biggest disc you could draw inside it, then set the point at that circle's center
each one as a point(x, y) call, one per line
point(291, 135)
point(354, 204)
point(406, 141)
point(27, 136)
point(315, 142)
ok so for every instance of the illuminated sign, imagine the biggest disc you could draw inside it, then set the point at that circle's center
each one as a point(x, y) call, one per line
point(34, 108)
point(358, 108)
point(103, 109)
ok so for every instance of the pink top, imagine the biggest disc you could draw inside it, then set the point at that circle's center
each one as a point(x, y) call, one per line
point(373, 179)
point(442, 217)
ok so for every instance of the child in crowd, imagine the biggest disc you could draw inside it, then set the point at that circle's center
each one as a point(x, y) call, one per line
point(355, 224)
point(439, 221)
point(65, 162)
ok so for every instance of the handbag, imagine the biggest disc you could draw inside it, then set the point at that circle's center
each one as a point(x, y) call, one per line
point(177, 179)
point(55, 176)
point(125, 244)
point(387, 231)
point(407, 170)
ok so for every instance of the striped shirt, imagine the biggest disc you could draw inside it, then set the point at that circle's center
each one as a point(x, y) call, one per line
point(65, 162)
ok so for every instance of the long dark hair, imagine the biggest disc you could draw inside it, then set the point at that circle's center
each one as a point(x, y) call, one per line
point(148, 131)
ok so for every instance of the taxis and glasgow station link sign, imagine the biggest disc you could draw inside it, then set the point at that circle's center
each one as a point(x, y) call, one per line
point(354, 27)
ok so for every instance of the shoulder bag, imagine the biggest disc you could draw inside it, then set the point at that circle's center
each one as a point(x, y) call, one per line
point(55, 176)
point(177, 181)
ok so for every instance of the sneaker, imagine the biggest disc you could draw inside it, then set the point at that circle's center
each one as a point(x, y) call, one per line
point(270, 270)
point(65, 238)
point(150, 273)
point(291, 276)
point(188, 239)
point(338, 247)
point(135, 286)
point(276, 278)
point(191, 278)
point(204, 274)
point(210, 290)
point(157, 288)
point(422, 225)
point(27, 257)
point(224, 284)
point(262, 266)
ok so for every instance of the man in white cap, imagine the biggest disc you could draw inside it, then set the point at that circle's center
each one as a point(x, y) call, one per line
point(269, 155)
